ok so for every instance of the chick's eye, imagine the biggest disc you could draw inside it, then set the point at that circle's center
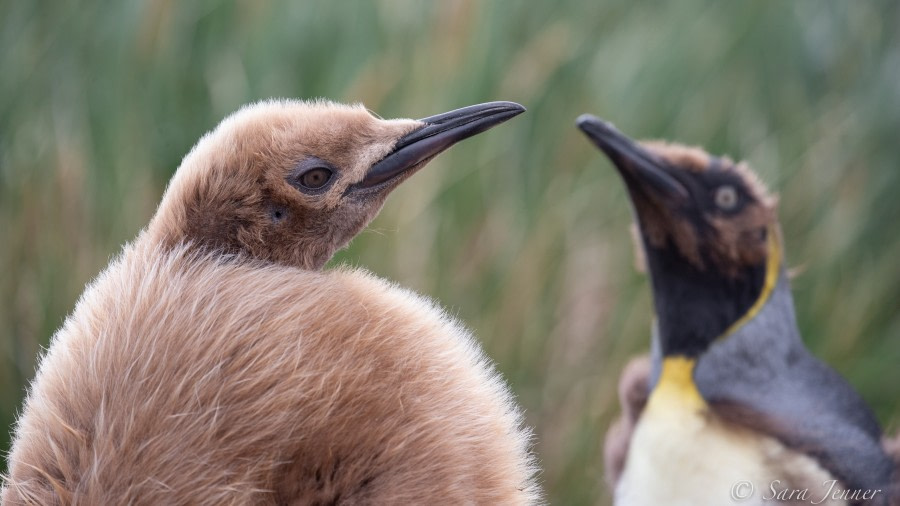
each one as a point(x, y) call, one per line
point(315, 178)
point(726, 197)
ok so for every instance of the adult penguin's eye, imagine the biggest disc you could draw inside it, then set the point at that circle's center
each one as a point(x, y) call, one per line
point(726, 197)
point(316, 177)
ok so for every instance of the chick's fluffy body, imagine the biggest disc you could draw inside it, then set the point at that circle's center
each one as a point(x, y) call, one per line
point(188, 379)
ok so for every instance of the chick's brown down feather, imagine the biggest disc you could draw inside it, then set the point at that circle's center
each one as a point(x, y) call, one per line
point(213, 362)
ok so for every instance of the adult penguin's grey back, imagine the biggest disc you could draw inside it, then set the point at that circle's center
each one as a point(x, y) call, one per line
point(288, 387)
point(763, 377)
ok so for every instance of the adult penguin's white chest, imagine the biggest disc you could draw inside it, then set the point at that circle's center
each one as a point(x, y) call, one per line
point(682, 454)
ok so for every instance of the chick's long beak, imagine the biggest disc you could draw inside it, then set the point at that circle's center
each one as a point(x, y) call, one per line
point(434, 136)
point(636, 165)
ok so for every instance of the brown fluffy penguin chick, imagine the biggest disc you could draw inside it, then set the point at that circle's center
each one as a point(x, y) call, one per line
point(213, 363)
point(634, 388)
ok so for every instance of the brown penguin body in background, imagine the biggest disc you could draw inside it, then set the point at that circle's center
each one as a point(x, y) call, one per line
point(214, 363)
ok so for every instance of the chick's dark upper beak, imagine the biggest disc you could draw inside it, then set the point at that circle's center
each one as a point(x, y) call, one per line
point(636, 164)
point(437, 134)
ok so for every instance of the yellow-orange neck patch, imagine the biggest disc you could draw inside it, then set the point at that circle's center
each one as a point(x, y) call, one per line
point(676, 384)
point(773, 267)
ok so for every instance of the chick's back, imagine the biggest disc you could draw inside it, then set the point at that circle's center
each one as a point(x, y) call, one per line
point(183, 378)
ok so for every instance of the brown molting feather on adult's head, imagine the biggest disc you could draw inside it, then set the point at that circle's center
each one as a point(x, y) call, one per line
point(712, 211)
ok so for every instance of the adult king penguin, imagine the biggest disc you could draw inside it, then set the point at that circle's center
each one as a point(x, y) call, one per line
point(738, 411)
point(213, 362)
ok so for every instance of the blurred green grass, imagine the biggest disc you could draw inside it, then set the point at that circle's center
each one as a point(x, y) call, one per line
point(522, 232)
